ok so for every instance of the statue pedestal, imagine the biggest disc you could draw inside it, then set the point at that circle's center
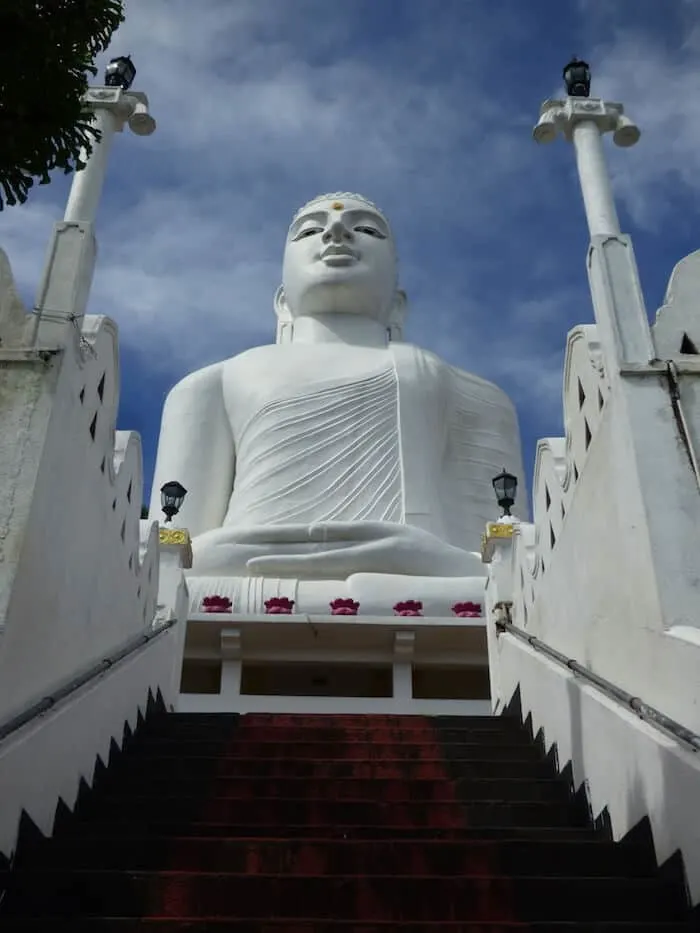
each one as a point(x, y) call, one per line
point(284, 654)
point(376, 593)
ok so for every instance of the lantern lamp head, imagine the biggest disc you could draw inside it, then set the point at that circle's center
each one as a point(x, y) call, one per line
point(172, 495)
point(120, 72)
point(577, 78)
point(505, 485)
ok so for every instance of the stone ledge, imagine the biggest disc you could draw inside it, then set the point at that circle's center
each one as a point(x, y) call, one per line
point(28, 354)
point(233, 618)
point(682, 365)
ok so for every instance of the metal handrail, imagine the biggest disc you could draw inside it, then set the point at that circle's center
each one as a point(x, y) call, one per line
point(39, 707)
point(643, 710)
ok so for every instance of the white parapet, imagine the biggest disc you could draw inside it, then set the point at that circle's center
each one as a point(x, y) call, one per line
point(92, 614)
point(74, 580)
point(606, 576)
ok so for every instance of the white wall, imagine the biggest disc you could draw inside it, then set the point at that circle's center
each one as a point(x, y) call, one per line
point(608, 574)
point(621, 582)
point(79, 574)
point(46, 759)
point(629, 767)
point(72, 585)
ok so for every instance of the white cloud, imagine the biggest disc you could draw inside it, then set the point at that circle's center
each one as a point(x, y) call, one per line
point(660, 87)
point(262, 104)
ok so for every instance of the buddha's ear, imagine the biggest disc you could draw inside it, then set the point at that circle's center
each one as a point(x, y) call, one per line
point(281, 306)
point(285, 322)
point(397, 315)
point(400, 304)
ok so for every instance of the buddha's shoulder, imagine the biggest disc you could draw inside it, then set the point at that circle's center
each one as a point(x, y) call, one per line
point(462, 383)
point(215, 371)
point(198, 380)
point(470, 386)
point(257, 359)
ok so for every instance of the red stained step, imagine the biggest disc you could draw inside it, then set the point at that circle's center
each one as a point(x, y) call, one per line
point(181, 894)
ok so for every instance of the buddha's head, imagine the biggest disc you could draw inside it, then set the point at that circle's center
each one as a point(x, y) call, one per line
point(339, 258)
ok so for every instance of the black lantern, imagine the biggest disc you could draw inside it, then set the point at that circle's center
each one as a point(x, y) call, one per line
point(505, 486)
point(120, 73)
point(577, 78)
point(172, 496)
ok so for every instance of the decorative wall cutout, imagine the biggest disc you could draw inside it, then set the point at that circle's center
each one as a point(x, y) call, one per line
point(558, 463)
point(118, 458)
point(687, 346)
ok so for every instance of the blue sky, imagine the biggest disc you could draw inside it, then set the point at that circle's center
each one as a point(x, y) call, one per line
point(424, 106)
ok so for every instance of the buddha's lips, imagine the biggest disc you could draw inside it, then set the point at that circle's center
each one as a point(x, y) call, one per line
point(343, 254)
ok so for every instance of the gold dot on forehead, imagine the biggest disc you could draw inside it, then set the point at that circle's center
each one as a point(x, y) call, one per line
point(337, 206)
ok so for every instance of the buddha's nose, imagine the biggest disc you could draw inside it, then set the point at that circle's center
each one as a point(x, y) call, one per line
point(337, 232)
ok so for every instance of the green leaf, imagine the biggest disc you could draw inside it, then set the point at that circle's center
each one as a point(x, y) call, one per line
point(47, 49)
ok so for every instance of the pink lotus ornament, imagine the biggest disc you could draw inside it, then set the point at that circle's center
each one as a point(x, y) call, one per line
point(279, 606)
point(344, 607)
point(409, 607)
point(467, 610)
point(217, 604)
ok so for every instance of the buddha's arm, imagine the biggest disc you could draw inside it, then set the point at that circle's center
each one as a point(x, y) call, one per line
point(196, 449)
point(483, 439)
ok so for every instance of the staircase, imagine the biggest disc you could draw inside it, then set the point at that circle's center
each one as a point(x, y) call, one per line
point(324, 824)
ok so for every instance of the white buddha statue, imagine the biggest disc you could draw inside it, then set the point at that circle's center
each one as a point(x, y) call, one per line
point(340, 461)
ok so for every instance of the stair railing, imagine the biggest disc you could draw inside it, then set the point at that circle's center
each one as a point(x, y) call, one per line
point(648, 713)
point(64, 690)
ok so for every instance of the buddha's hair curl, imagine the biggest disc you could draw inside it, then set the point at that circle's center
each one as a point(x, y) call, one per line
point(340, 196)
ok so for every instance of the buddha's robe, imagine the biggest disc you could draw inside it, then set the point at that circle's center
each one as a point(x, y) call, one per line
point(333, 463)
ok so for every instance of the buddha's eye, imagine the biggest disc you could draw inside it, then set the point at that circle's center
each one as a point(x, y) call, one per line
point(310, 231)
point(371, 231)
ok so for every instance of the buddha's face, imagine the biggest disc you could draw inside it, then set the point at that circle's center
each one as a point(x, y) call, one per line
point(339, 258)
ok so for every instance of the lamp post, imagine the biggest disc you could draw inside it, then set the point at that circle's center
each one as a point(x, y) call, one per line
point(505, 485)
point(583, 120)
point(618, 302)
point(112, 106)
point(70, 264)
point(172, 495)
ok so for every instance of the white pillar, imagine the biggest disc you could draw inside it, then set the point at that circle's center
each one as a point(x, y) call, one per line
point(402, 666)
point(231, 682)
point(231, 668)
point(618, 302)
point(70, 263)
point(86, 189)
point(403, 680)
point(594, 178)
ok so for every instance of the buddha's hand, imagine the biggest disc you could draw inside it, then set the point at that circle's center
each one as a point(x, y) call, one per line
point(334, 550)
